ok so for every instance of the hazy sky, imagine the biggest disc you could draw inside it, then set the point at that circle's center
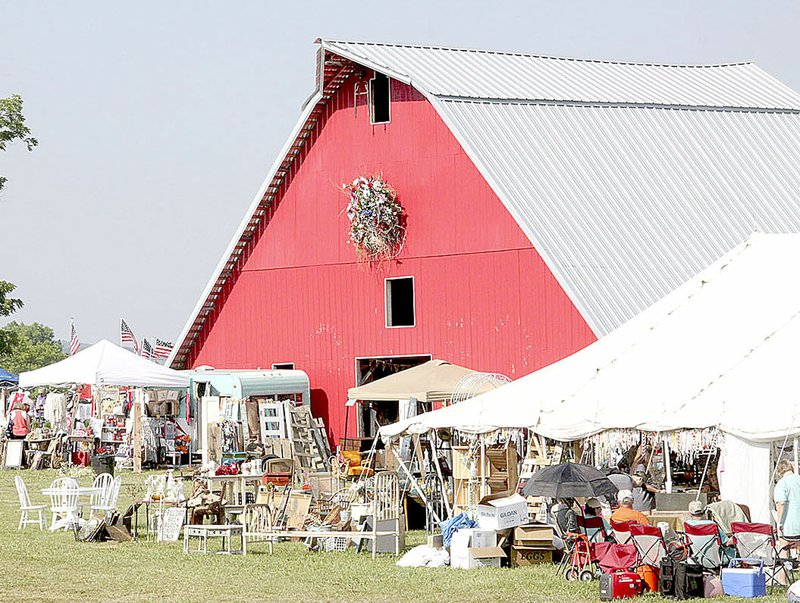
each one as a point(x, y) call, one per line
point(158, 120)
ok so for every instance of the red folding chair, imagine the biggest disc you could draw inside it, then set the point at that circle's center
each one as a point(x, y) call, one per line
point(616, 557)
point(593, 528)
point(649, 542)
point(622, 531)
point(758, 541)
point(704, 545)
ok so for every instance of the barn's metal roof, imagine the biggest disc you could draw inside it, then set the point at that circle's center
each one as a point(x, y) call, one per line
point(627, 178)
point(626, 204)
point(502, 75)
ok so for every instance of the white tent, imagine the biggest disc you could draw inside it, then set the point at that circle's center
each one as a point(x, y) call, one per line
point(718, 351)
point(722, 350)
point(105, 364)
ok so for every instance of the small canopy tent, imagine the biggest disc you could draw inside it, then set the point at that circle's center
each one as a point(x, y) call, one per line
point(7, 378)
point(105, 364)
point(432, 381)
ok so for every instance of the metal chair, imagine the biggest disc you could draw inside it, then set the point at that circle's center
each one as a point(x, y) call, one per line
point(26, 507)
point(758, 541)
point(63, 503)
point(704, 545)
point(649, 542)
point(622, 531)
point(593, 528)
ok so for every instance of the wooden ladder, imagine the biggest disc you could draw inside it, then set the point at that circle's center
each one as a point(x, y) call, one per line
point(308, 445)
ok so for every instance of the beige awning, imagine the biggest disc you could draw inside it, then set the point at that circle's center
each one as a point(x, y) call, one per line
point(428, 382)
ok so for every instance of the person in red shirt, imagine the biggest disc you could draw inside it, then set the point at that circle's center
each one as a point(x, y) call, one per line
point(19, 422)
point(625, 510)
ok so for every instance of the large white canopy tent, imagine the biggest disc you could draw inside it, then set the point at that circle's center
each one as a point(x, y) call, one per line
point(719, 351)
point(105, 364)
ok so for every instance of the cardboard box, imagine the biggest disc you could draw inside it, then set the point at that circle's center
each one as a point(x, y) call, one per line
point(485, 556)
point(435, 541)
point(463, 540)
point(501, 511)
point(533, 535)
point(524, 556)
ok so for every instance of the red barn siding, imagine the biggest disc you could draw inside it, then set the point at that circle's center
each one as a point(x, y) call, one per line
point(484, 297)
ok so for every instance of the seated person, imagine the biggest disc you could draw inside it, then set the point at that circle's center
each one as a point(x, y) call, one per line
point(593, 508)
point(625, 510)
point(564, 516)
point(699, 517)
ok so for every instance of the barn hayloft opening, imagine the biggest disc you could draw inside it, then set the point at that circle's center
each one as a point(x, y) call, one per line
point(400, 310)
point(379, 95)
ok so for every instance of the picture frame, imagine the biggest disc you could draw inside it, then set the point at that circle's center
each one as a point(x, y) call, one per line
point(13, 456)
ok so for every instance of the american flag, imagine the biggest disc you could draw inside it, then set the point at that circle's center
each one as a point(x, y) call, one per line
point(163, 348)
point(147, 350)
point(74, 342)
point(127, 336)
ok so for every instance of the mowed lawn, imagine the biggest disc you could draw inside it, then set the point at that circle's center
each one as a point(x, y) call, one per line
point(44, 566)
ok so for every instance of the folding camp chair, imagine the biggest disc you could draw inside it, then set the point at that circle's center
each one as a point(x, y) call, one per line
point(649, 542)
point(622, 531)
point(704, 545)
point(757, 541)
point(593, 528)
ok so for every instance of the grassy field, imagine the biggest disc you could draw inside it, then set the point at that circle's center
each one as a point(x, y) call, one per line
point(44, 566)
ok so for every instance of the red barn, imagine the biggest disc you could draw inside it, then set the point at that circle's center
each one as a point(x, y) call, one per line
point(547, 200)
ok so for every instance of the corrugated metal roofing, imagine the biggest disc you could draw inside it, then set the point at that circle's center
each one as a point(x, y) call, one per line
point(502, 75)
point(626, 204)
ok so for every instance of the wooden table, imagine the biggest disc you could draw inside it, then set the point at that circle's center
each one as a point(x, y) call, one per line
point(204, 532)
point(675, 519)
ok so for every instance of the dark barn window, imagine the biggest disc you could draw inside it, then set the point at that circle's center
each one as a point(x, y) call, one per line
point(379, 99)
point(400, 302)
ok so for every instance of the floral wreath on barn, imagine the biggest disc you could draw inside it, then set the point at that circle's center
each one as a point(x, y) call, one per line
point(377, 220)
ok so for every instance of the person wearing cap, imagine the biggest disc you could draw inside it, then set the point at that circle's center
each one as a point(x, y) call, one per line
point(699, 516)
point(625, 511)
point(644, 492)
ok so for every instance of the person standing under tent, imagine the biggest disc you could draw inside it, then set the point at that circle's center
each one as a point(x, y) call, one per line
point(787, 500)
point(19, 422)
point(644, 492)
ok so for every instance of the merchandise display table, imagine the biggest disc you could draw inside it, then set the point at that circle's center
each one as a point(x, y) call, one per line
point(204, 532)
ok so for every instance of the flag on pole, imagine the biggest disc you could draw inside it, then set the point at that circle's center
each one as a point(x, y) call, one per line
point(74, 342)
point(147, 349)
point(163, 348)
point(127, 336)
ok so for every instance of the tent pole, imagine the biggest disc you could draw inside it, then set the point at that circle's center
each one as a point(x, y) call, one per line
point(483, 466)
point(137, 431)
point(441, 478)
point(415, 484)
point(705, 469)
point(667, 465)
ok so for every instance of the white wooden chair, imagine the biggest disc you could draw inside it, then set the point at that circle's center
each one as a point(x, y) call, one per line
point(105, 499)
point(63, 503)
point(26, 507)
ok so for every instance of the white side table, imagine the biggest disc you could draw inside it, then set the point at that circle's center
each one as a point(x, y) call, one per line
point(204, 532)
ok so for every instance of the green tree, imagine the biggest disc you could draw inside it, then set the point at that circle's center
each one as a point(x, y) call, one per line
point(34, 346)
point(8, 305)
point(12, 126)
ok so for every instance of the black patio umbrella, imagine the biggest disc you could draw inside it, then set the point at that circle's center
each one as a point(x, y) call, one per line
point(569, 480)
